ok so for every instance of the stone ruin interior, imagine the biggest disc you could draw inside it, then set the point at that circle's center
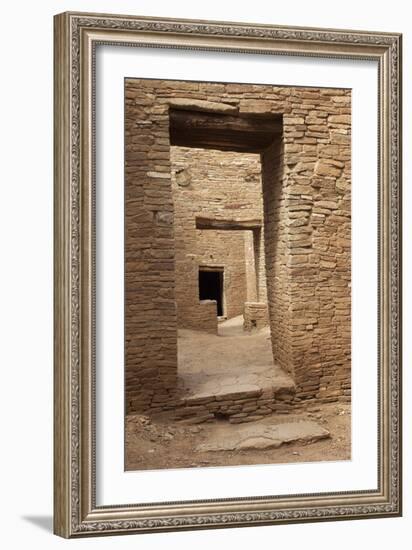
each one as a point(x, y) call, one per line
point(237, 254)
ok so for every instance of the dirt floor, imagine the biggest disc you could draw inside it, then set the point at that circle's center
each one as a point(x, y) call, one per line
point(211, 364)
point(161, 443)
point(215, 365)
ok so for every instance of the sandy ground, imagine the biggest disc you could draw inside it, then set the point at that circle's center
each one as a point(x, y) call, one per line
point(154, 444)
point(209, 364)
point(214, 364)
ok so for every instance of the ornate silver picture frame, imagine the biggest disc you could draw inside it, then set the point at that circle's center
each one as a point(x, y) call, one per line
point(77, 510)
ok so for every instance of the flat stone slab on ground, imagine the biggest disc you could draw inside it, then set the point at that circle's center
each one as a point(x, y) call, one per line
point(232, 437)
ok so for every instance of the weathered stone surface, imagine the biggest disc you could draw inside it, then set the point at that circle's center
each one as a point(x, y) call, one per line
point(255, 315)
point(233, 374)
point(301, 181)
point(340, 119)
point(260, 436)
point(236, 189)
point(201, 105)
point(323, 168)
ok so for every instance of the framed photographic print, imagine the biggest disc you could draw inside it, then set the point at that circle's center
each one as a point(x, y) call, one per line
point(227, 274)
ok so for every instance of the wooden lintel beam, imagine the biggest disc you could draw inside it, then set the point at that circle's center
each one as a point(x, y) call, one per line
point(194, 120)
point(245, 133)
point(232, 224)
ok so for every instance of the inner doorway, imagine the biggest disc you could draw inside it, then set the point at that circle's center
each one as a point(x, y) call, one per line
point(211, 286)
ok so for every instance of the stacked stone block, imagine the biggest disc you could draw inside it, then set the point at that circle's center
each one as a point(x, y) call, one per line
point(150, 307)
point(255, 316)
point(237, 407)
point(207, 316)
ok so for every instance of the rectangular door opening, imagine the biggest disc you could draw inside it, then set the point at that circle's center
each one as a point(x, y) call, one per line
point(211, 287)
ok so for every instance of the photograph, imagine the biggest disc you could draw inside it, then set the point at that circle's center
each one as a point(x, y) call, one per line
point(227, 259)
point(237, 296)
point(204, 314)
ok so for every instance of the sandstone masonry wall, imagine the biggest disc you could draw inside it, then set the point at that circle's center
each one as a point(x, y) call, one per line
point(307, 234)
point(255, 316)
point(150, 308)
point(220, 185)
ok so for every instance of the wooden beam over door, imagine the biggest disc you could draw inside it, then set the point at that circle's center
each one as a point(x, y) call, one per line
point(249, 133)
point(232, 224)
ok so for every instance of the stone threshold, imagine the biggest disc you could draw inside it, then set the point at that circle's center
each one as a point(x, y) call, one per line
point(244, 403)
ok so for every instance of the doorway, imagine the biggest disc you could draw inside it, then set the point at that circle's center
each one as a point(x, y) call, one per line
point(211, 286)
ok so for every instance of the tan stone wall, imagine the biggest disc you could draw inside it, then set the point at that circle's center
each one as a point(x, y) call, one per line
point(219, 185)
point(251, 267)
point(238, 407)
point(275, 241)
point(317, 175)
point(205, 316)
point(150, 308)
point(227, 249)
point(307, 235)
point(255, 316)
